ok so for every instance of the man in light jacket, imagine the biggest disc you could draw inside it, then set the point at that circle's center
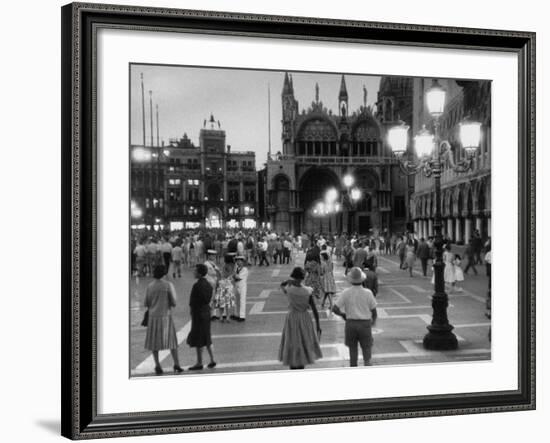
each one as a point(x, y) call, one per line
point(240, 282)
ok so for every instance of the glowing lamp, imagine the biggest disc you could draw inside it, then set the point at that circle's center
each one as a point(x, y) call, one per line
point(424, 143)
point(397, 138)
point(435, 99)
point(470, 135)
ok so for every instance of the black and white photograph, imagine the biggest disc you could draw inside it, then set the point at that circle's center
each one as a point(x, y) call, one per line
point(294, 220)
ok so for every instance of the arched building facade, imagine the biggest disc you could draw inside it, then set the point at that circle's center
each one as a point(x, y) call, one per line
point(319, 148)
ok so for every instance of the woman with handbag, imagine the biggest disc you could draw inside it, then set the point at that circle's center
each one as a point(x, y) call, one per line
point(160, 298)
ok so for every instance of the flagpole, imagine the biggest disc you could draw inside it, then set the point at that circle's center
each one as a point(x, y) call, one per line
point(269, 120)
point(143, 108)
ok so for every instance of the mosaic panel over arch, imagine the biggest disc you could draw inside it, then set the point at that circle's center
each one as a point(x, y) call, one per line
point(317, 129)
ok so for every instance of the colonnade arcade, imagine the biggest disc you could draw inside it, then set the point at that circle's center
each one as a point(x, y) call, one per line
point(465, 207)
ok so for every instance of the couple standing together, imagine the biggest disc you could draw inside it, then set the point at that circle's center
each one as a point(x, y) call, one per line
point(300, 340)
point(160, 299)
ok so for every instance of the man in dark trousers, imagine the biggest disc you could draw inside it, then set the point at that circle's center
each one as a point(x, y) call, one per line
point(401, 246)
point(371, 279)
point(469, 252)
point(477, 245)
point(423, 253)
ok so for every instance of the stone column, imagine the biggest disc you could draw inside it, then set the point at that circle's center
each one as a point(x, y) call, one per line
point(458, 230)
point(430, 227)
point(479, 224)
point(425, 230)
point(468, 230)
point(450, 230)
point(489, 226)
point(416, 226)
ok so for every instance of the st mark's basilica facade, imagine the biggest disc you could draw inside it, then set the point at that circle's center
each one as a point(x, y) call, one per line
point(320, 146)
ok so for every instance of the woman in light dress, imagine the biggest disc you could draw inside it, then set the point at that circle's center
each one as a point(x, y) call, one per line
point(160, 299)
point(449, 272)
point(449, 275)
point(410, 257)
point(300, 339)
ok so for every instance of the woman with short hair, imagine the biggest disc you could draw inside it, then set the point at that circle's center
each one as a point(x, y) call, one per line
point(160, 298)
point(299, 340)
point(199, 302)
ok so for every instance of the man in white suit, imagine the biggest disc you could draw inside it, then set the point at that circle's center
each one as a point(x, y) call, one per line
point(240, 281)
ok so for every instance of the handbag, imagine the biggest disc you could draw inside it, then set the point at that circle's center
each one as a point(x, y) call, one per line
point(145, 320)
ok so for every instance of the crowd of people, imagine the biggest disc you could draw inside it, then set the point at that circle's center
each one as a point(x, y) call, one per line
point(220, 262)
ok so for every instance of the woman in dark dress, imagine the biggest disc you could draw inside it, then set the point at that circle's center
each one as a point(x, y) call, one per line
point(199, 302)
point(300, 338)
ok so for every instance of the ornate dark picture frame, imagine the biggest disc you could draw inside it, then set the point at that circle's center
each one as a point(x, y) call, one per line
point(80, 418)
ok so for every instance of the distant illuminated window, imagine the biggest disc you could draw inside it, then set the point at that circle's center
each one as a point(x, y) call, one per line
point(233, 223)
point(176, 225)
point(249, 223)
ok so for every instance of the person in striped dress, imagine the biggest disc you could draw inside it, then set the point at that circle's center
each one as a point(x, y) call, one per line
point(327, 279)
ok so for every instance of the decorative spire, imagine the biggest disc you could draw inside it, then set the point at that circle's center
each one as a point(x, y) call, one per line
point(364, 96)
point(343, 95)
point(291, 85)
point(316, 92)
point(287, 85)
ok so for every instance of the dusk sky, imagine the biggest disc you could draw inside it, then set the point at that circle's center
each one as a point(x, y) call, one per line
point(238, 98)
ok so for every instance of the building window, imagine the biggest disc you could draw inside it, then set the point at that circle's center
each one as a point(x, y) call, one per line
point(193, 182)
point(233, 196)
point(174, 195)
point(399, 210)
point(174, 181)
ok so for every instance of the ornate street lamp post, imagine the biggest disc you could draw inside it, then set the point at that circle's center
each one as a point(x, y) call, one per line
point(330, 205)
point(430, 150)
point(349, 198)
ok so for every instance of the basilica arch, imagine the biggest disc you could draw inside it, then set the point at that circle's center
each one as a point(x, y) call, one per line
point(317, 136)
point(313, 187)
point(367, 216)
point(365, 138)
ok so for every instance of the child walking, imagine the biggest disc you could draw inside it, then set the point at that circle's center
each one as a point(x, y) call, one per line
point(459, 274)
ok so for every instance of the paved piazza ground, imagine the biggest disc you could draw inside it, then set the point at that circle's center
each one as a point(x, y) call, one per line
point(404, 311)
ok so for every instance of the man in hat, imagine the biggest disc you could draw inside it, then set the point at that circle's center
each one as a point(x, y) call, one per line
point(212, 276)
point(240, 281)
point(357, 306)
